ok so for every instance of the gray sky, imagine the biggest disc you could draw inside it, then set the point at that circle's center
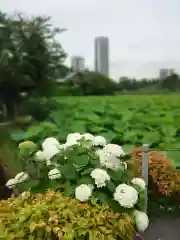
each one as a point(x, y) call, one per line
point(144, 34)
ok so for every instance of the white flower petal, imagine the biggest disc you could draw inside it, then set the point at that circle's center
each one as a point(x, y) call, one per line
point(139, 182)
point(50, 152)
point(108, 160)
point(114, 149)
point(54, 174)
point(11, 183)
point(40, 156)
point(88, 137)
point(100, 176)
point(141, 220)
point(21, 177)
point(47, 154)
point(71, 143)
point(99, 141)
point(83, 192)
point(73, 137)
point(126, 195)
point(48, 142)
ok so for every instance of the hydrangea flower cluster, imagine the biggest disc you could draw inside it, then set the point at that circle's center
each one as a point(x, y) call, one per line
point(108, 158)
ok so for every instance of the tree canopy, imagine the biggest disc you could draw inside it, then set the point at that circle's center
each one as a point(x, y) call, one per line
point(30, 56)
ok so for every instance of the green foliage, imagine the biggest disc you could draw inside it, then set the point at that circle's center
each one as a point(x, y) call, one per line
point(52, 215)
point(75, 164)
point(171, 82)
point(40, 108)
point(30, 57)
point(8, 154)
point(126, 120)
point(92, 83)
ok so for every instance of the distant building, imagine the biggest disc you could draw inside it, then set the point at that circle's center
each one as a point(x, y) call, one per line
point(171, 71)
point(102, 55)
point(77, 63)
point(165, 72)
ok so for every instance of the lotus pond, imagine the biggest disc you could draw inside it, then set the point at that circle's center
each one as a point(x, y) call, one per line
point(129, 120)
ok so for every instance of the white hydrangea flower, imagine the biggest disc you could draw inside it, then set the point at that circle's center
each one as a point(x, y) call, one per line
point(83, 192)
point(21, 177)
point(99, 141)
point(139, 182)
point(11, 183)
point(126, 195)
point(114, 149)
point(141, 220)
point(100, 176)
point(54, 174)
point(70, 143)
point(48, 142)
point(108, 160)
point(73, 137)
point(40, 156)
point(51, 152)
point(47, 154)
point(88, 137)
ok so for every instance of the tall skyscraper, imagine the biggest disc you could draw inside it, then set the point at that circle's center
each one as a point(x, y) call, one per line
point(77, 63)
point(102, 55)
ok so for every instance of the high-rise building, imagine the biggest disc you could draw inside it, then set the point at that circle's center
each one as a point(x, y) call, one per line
point(77, 63)
point(102, 55)
point(165, 72)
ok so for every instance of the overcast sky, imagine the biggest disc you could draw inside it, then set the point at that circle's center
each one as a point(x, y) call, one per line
point(144, 34)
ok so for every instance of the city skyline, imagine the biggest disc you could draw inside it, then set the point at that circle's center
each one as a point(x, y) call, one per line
point(144, 35)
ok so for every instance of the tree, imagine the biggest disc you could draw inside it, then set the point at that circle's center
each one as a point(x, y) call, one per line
point(171, 82)
point(93, 83)
point(30, 57)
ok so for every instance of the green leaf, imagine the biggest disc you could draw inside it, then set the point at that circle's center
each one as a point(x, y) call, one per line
point(18, 135)
point(141, 201)
point(69, 171)
point(81, 150)
point(128, 148)
point(82, 160)
point(34, 131)
point(78, 126)
point(101, 196)
point(86, 171)
point(111, 186)
point(49, 125)
point(116, 175)
point(109, 135)
point(86, 180)
point(69, 188)
point(116, 207)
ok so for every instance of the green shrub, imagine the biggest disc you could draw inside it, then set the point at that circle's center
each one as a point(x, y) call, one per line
point(45, 216)
point(40, 108)
point(63, 90)
point(84, 167)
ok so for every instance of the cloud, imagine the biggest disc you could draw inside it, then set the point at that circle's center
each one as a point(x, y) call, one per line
point(144, 35)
